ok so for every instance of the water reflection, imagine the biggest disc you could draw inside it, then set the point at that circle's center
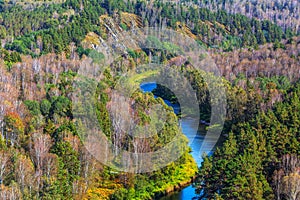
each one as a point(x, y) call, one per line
point(189, 126)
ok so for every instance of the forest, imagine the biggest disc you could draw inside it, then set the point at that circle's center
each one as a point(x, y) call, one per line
point(284, 13)
point(45, 44)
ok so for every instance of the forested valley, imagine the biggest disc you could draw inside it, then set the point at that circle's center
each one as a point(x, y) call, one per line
point(45, 44)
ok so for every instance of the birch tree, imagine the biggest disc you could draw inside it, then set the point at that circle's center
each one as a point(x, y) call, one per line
point(4, 164)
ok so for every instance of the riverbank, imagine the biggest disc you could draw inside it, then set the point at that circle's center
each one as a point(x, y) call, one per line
point(184, 176)
point(189, 126)
point(174, 177)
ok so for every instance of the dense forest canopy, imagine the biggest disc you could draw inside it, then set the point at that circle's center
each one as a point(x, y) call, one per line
point(44, 44)
point(263, 153)
point(51, 28)
point(284, 13)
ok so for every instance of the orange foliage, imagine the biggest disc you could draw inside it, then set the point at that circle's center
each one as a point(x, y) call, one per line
point(14, 122)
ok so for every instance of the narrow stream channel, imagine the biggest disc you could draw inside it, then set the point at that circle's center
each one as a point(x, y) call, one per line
point(188, 126)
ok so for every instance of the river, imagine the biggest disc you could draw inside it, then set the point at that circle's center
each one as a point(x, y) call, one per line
point(188, 126)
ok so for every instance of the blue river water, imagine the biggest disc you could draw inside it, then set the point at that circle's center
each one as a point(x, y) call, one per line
point(188, 126)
